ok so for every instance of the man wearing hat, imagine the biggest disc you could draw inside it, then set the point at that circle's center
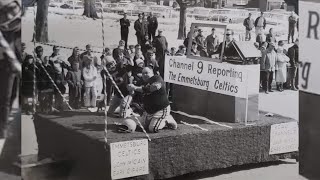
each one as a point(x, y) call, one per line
point(124, 24)
point(249, 25)
point(161, 45)
point(267, 65)
point(212, 42)
point(200, 40)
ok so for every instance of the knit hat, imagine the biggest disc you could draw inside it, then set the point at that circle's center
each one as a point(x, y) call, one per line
point(139, 61)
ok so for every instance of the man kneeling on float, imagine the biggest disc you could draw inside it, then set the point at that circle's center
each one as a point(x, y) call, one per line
point(156, 105)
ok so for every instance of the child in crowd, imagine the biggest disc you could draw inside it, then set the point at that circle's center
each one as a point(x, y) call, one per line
point(181, 51)
point(75, 85)
point(111, 67)
point(89, 75)
point(152, 62)
point(27, 82)
point(172, 51)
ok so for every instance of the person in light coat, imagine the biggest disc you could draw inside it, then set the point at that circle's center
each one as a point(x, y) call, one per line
point(281, 66)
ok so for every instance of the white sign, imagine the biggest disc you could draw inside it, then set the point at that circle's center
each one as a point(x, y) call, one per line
point(129, 159)
point(309, 44)
point(284, 138)
point(222, 78)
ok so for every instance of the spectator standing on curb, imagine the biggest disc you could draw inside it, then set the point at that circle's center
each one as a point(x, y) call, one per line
point(125, 24)
point(152, 26)
point(260, 24)
point(292, 25)
point(249, 25)
point(161, 45)
point(293, 53)
point(138, 26)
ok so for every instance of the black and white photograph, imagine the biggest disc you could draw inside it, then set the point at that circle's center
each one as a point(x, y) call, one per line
point(159, 89)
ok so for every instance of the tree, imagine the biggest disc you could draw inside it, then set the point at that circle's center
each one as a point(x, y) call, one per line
point(90, 9)
point(41, 30)
point(183, 19)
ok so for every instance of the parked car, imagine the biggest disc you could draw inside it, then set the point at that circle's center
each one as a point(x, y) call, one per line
point(161, 11)
point(109, 7)
point(65, 6)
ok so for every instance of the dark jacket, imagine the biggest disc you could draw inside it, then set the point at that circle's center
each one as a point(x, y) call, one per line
point(44, 82)
point(124, 23)
point(161, 45)
point(249, 23)
point(152, 23)
point(27, 79)
point(212, 43)
point(293, 54)
point(229, 51)
point(140, 27)
point(200, 40)
point(264, 22)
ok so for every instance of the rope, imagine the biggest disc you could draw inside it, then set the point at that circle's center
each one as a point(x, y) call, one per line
point(117, 88)
point(34, 61)
point(105, 87)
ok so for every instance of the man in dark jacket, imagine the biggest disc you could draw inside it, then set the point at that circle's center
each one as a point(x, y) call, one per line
point(139, 26)
point(249, 25)
point(152, 26)
point(125, 23)
point(200, 40)
point(161, 45)
point(229, 49)
point(293, 53)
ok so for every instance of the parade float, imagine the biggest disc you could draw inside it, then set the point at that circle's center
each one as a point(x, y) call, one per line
point(216, 104)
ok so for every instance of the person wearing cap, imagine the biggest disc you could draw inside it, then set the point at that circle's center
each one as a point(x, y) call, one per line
point(293, 53)
point(268, 65)
point(249, 25)
point(212, 42)
point(161, 45)
point(90, 75)
point(200, 40)
point(229, 49)
point(138, 54)
point(156, 105)
point(124, 30)
point(60, 67)
point(152, 26)
point(292, 24)
point(260, 24)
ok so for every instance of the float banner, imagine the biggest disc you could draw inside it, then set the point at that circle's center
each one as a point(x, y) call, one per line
point(222, 78)
point(284, 138)
point(129, 159)
point(309, 43)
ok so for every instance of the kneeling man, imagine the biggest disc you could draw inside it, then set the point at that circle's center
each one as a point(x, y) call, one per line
point(155, 102)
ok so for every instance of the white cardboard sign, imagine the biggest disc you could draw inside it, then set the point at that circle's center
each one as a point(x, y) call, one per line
point(309, 45)
point(284, 138)
point(222, 78)
point(129, 158)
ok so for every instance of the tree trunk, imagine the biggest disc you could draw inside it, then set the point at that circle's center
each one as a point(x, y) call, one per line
point(90, 9)
point(42, 21)
point(183, 22)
